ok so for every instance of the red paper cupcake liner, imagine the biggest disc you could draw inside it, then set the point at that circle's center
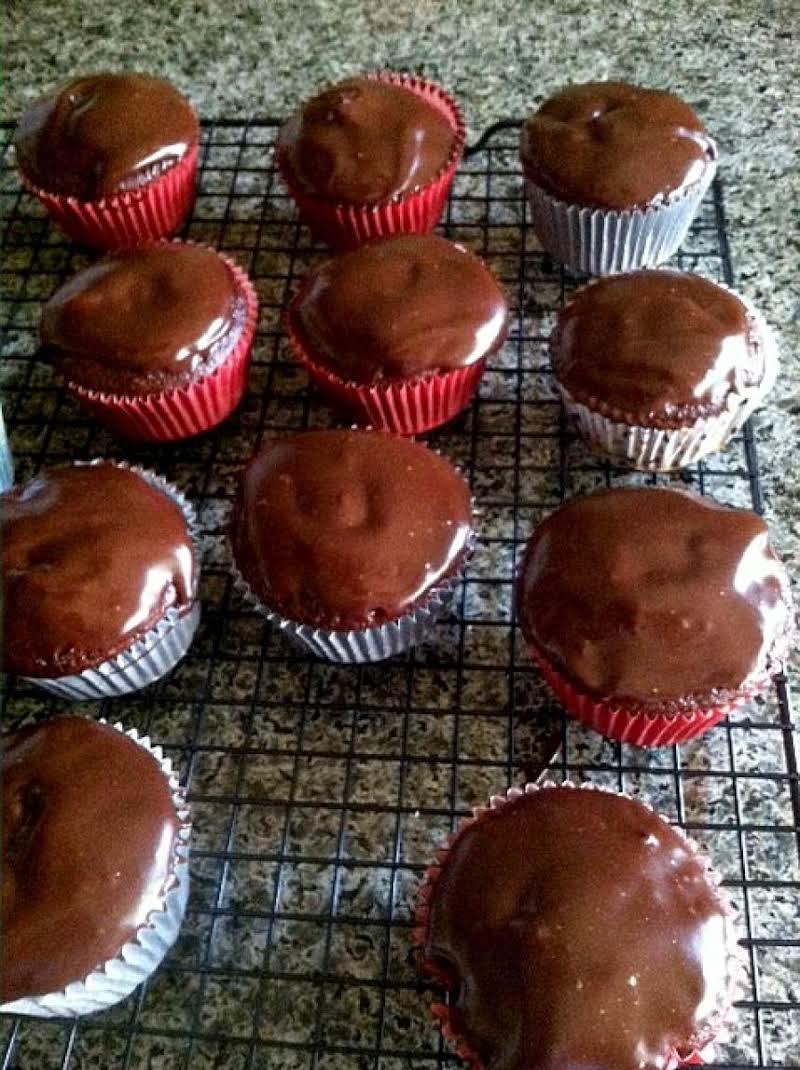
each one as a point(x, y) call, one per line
point(156, 210)
point(641, 727)
point(187, 410)
point(346, 226)
point(402, 407)
point(448, 1017)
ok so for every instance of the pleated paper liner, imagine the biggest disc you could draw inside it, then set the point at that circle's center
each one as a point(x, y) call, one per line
point(402, 407)
point(135, 217)
point(603, 241)
point(188, 410)
point(154, 654)
point(139, 958)
point(638, 726)
point(346, 226)
point(448, 1016)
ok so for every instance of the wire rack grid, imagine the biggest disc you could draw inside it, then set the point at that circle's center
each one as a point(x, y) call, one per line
point(319, 793)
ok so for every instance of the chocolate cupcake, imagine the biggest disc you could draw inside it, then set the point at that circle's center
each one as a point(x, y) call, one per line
point(660, 368)
point(112, 157)
point(351, 541)
point(154, 342)
point(652, 612)
point(95, 865)
point(100, 570)
point(615, 174)
point(398, 332)
point(371, 157)
point(576, 928)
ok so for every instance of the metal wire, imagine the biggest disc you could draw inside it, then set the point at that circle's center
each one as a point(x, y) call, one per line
point(319, 792)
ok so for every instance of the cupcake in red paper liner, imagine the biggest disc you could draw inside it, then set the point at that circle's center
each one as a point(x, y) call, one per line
point(615, 174)
point(351, 542)
point(397, 333)
point(95, 865)
point(154, 342)
point(652, 613)
point(657, 369)
point(372, 157)
point(101, 565)
point(575, 927)
point(112, 157)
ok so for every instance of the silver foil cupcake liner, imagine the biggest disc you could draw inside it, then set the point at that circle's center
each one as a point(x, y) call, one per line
point(652, 449)
point(6, 460)
point(155, 653)
point(603, 241)
point(138, 959)
point(358, 647)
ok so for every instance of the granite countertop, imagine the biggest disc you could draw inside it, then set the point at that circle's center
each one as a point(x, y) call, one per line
point(288, 841)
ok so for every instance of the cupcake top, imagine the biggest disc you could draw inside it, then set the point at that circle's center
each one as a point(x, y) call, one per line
point(348, 529)
point(103, 134)
point(366, 141)
point(654, 596)
point(144, 320)
point(656, 347)
point(614, 145)
point(581, 931)
point(93, 557)
point(400, 307)
point(89, 835)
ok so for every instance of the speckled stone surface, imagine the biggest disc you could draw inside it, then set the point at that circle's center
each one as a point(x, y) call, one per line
point(320, 793)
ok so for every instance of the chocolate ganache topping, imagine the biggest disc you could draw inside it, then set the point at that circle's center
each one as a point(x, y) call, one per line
point(103, 134)
point(144, 320)
point(346, 529)
point(93, 557)
point(580, 931)
point(400, 307)
point(614, 145)
point(366, 141)
point(656, 347)
point(655, 596)
point(89, 832)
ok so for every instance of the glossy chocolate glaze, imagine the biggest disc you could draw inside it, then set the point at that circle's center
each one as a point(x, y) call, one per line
point(656, 347)
point(144, 320)
point(582, 932)
point(89, 830)
point(366, 141)
point(614, 145)
point(654, 596)
point(401, 307)
point(93, 557)
point(104, 133)
point(347, 529)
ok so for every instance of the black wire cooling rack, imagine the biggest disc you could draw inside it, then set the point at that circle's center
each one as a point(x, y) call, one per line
point(320, 793)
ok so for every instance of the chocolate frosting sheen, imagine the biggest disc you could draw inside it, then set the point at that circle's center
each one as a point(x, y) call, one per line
point(654, 596)
point(366, 141)
point(348, 528)
point(143, 320)
point(655, 346)
point(89, 831)
point(401, 307)
point(93, 557)
point(104, 133)
point(614, 145)
point(582, 933)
